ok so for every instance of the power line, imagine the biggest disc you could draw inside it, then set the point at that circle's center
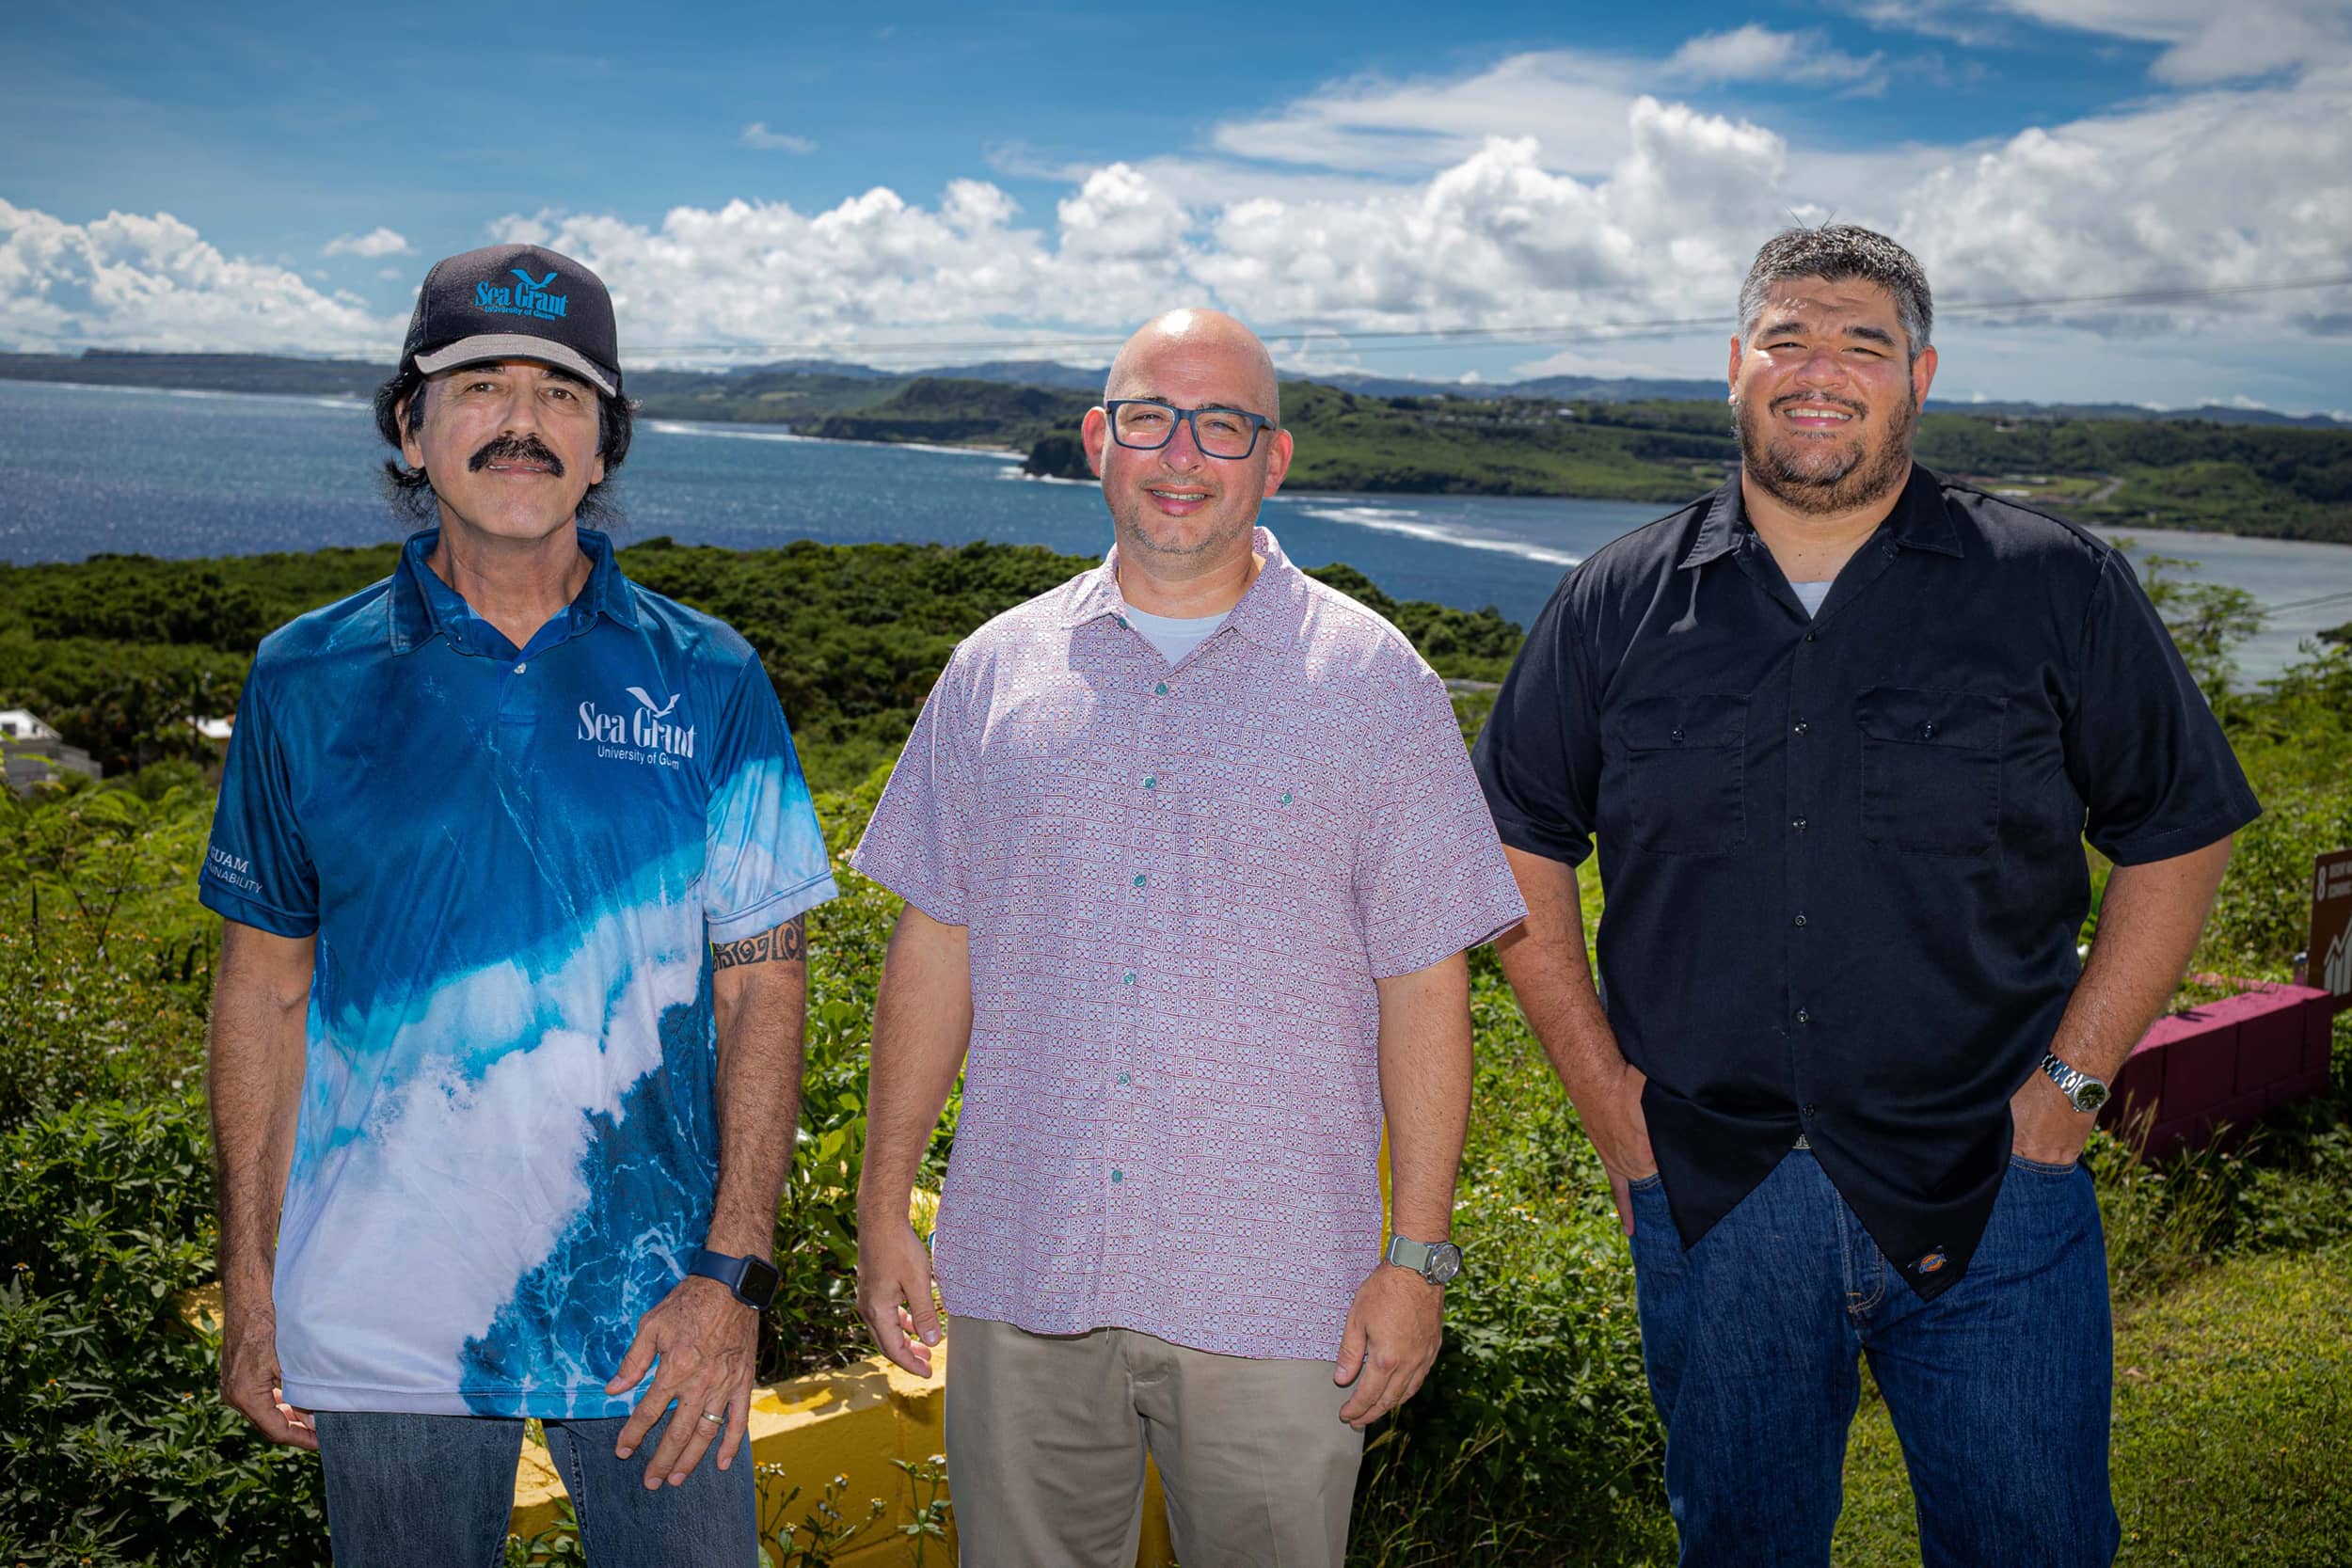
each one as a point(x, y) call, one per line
point(2307, 603)
point(2150, 296)
point(1404, 339)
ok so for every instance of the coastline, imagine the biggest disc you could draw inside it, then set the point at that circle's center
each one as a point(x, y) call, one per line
point(2054, 491)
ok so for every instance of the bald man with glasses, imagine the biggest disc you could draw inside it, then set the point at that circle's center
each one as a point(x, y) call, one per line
point(1192, 854)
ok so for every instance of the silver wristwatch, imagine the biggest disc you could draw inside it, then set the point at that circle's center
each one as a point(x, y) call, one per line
point(2082, 1092)
point(1436, 1261)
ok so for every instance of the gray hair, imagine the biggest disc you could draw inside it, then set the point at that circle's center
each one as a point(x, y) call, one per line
point(1835, 253)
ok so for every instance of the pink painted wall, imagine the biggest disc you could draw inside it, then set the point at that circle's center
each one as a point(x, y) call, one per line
point(2223, 1065)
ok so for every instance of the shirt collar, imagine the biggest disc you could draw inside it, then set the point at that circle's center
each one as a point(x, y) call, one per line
point(423, 606)
point(1918, 522)
point(1268, 613)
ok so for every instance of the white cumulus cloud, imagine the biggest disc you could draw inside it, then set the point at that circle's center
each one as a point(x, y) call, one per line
point(757, 134)
point(376, 242)
point(2220, 190)
point(153, 281)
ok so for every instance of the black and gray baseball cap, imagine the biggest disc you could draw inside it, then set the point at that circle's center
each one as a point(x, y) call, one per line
point(514, 302)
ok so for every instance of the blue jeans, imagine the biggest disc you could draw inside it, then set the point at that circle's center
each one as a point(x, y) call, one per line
point(2000, 1388)
point(437, 1492)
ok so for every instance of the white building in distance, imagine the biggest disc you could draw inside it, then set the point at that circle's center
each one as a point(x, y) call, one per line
point(31, 753)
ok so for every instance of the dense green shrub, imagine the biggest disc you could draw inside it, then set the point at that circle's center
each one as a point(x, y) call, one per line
point(76, 1027)
point(115, 1446)
point(2294, 739)
point(814, 1322)
point(2263, 913)
point(1534, 1431)
point(105, 958)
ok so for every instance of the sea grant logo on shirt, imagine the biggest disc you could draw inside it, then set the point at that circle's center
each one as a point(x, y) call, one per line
point(644, 733)
point(528, 299)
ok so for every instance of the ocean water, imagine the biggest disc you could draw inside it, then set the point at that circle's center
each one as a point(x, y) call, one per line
point(85, 470)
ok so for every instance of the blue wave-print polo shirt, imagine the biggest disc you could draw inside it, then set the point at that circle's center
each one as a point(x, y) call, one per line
point(516, 862)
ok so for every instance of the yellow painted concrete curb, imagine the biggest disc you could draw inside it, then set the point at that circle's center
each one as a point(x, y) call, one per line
point(849, 1423)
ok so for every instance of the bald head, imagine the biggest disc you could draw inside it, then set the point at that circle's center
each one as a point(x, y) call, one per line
point(1201, 337)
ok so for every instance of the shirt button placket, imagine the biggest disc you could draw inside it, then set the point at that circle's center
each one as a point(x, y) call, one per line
point(1151, 740)
point(1803, 774)
point(518, 697)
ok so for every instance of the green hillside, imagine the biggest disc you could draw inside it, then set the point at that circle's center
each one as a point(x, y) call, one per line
point(935, 409)
point(1504, 447)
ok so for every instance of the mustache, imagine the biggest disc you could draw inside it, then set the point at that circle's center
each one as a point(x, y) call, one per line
point(515, 448)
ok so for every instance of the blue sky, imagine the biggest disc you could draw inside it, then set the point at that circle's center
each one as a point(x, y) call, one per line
point(909, 185)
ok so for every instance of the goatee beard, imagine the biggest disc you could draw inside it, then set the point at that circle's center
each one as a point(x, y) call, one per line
point(1867, 476)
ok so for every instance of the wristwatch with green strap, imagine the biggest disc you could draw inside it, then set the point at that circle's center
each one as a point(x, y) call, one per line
point(1434, 1261)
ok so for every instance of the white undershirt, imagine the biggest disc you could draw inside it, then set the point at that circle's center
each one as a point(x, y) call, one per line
point(1174, 636)
point(1810, 595)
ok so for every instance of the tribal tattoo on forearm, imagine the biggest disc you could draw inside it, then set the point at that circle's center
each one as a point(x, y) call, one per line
point(782, 945)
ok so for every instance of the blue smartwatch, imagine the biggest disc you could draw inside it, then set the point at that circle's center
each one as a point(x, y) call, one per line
point(753, 1280)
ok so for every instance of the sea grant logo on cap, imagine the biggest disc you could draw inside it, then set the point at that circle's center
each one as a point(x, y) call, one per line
point(514, 302)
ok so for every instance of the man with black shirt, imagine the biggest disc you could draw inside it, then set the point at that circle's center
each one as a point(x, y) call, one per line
point(1840, 729)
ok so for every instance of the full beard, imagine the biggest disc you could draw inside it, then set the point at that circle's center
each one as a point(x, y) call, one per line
point(1860, 476)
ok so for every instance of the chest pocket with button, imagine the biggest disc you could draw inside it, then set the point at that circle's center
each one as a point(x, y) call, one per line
point(1931, 770)
point(1685, 759)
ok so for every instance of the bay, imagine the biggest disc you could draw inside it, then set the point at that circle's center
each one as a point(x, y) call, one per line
point(90, 470)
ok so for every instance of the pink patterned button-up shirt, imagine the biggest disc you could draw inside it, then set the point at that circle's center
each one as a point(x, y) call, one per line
point(1180, 887)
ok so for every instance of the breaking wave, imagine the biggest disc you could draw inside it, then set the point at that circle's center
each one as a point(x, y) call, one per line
point(1415, 525)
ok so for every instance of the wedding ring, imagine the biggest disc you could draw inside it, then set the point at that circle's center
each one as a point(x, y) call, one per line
point(715, 1417)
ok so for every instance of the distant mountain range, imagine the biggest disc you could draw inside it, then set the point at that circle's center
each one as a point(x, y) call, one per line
point(283, 373)
point(1577, 388)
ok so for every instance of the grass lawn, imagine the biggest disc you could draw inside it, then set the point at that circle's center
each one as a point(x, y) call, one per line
point(2233, 1425)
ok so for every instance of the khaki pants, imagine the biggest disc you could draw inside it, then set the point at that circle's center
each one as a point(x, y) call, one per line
point(1047, 1435)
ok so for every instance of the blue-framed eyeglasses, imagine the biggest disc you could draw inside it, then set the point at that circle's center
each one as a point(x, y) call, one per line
point(1147, 424)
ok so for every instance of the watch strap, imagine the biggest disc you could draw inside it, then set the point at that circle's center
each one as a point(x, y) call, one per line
point(1434, 1261)
point(753, 1280)
point(1411, 1255)
point(2071, 1081)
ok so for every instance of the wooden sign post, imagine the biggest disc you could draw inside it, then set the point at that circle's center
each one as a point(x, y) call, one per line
point(2331, 949)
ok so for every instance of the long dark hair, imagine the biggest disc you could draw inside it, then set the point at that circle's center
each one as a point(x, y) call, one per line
point(410, 491)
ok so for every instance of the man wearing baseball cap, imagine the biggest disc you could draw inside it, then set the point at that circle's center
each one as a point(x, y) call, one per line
point(513, 856)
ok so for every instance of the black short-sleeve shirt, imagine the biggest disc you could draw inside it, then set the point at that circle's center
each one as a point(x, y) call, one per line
point(1843, 853)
